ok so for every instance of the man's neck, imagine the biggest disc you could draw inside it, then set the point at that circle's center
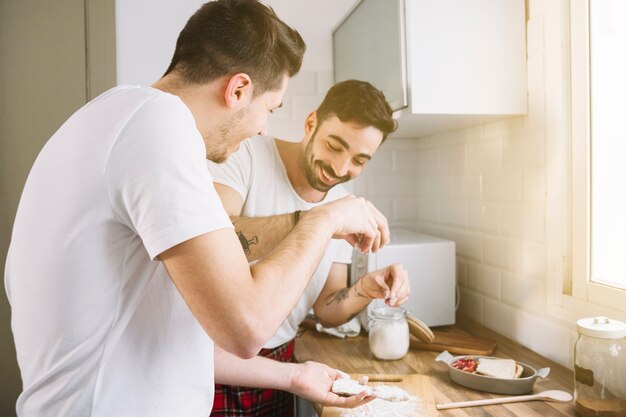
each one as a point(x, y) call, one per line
point(292, 155)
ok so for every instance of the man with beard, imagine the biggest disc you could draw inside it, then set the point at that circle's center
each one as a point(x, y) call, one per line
point(267, 187)
point(124, 269)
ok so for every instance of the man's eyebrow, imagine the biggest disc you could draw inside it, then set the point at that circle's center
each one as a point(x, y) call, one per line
point(345, 145)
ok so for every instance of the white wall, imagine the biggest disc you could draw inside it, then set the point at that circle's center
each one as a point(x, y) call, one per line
point(146, 37)
point(147, 32)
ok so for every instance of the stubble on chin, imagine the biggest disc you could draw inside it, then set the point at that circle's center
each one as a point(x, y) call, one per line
point(218, 159)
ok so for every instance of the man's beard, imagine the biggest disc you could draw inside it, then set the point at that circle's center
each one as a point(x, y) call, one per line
point(310, 168)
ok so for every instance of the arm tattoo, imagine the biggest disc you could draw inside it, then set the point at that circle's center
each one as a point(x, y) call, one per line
point(245, 242)
point(357, 292)
point(340, 295)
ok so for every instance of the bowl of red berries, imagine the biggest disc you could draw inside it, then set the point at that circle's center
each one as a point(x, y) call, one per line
point(492, 374)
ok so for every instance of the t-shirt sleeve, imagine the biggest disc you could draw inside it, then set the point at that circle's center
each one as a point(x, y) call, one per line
point(236, 171)
point(157, 179)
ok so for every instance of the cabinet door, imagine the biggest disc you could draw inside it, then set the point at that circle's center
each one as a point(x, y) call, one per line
point(369, 45)
point(467, 57)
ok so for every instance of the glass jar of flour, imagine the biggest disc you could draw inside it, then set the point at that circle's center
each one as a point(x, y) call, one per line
point(388, 332)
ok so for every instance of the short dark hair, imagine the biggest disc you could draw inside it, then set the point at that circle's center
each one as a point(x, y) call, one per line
point(358, 101)
point(226, 37)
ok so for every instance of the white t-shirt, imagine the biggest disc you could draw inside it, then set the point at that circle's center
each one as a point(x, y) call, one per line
point(258, 174)
point(99, 327)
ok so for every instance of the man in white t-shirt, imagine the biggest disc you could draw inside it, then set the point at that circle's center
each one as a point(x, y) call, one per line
point(124, 268)
point(266, 186)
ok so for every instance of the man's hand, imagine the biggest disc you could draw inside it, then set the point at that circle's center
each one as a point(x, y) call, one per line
point(313, 381)
point(390, 283)
point(357, 221)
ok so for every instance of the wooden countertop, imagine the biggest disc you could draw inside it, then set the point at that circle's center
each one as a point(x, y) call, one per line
point(352, 355)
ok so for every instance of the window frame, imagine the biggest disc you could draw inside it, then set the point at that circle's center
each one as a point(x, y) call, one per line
point(570, 293)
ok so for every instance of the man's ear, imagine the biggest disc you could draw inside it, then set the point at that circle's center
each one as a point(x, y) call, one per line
point(310, 123)
point(238, 90)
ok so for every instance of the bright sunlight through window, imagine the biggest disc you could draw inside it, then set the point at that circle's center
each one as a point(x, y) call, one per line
point(607, 39)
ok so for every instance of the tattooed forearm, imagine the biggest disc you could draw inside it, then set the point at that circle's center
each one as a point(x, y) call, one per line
point(340, 295)
point(245, 242)
point(357, 292)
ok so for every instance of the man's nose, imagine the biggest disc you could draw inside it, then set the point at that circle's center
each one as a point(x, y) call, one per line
point(342, 167)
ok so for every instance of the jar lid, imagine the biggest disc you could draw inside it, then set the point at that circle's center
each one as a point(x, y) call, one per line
point(389, 313)
point(601, 327)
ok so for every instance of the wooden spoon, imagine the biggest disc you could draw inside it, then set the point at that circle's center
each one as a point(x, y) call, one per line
point(552, 395)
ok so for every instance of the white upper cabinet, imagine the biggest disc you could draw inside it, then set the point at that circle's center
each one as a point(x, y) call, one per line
point(442, 64)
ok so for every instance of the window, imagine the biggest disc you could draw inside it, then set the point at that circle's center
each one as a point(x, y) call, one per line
point(598, 149)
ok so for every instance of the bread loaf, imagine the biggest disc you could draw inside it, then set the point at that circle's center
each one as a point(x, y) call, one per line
point(497, 368)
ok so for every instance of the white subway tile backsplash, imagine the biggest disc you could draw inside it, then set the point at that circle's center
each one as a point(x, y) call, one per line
point(423, 186)
point(558, 347)
point(523, 292)
point(484, 279)
point(524, 221)
point(452, 159)
point(428, 210)
point(405, 209)
point(461, 272)
point(484, 155)
point(390, 185)
point(513, 220)
point(381, 162)
point(534, 259)
point(359, 184)
point(454, 213)
point(384, 205)
point(437, 231)
point(511, 181)
point(535, 223)
point(472, 305)
point(468, 244)
point(403, 161)
point(484, 217)
point(503, 318)
point(467, 186)
point(524, 150)
point(490, 186)
point(535, 185)
point(504, 253)
point(427, 161)
point(440, 186)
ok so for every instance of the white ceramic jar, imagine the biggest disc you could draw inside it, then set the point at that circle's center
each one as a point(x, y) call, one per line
point(388, 333)
point(600, 368)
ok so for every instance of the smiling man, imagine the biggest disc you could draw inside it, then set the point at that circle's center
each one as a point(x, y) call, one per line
point(267, 187)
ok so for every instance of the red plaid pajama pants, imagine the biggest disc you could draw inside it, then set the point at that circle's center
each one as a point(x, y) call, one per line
point(232, 401)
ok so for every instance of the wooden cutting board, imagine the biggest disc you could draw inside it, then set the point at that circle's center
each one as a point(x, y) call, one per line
point(414, 384)
point(456, 342)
